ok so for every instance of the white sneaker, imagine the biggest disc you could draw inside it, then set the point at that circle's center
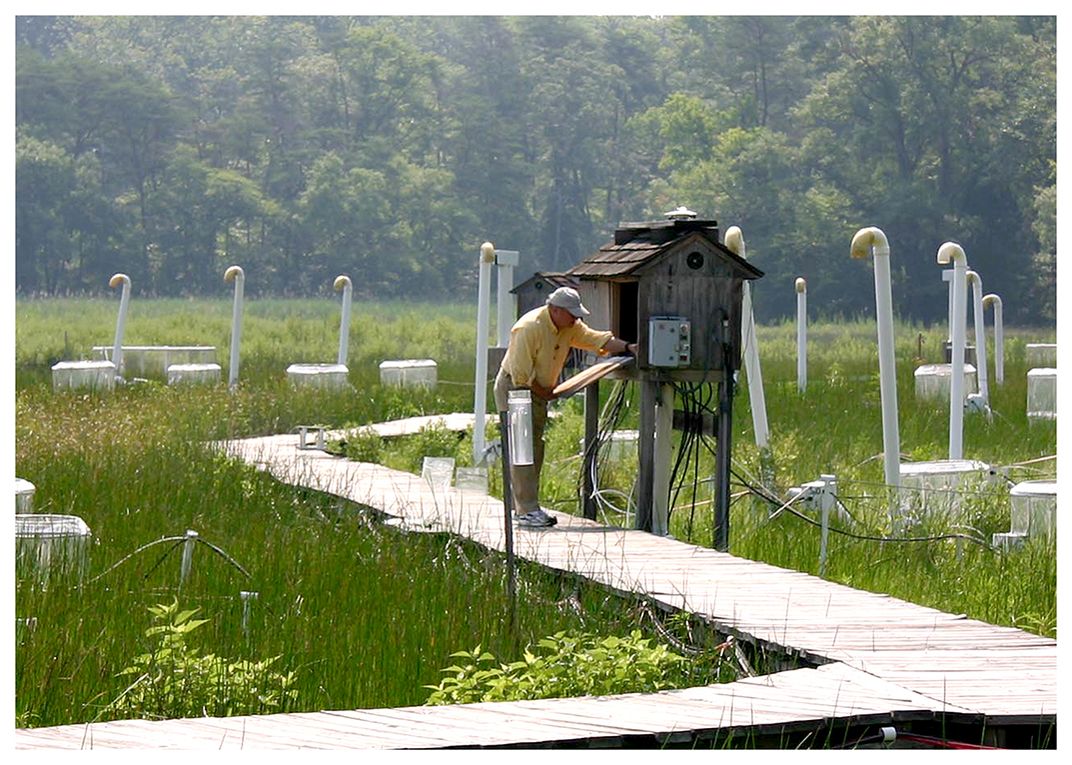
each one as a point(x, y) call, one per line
point(536, 519)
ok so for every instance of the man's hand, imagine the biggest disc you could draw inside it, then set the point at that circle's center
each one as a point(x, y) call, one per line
point(547, 394)
point(615, 345)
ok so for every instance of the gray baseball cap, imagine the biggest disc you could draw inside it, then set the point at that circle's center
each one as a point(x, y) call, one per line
point(568, 298)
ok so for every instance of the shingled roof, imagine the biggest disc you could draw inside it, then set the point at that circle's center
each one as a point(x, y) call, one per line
point(554, 278)
point(637, 244)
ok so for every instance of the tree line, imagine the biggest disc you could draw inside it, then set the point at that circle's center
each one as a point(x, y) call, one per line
point(389, 148)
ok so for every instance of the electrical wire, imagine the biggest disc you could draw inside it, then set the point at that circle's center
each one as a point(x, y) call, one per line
point(177, 542)
point(941, 743)
point(594, 458)
point(1033, 461)
point(696, 401)
point(767, 495)
point(953, 492)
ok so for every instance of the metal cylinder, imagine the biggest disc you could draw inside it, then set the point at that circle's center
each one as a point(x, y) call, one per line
point(519, 407)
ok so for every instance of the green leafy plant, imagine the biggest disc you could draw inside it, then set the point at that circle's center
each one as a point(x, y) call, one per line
point(172, 680)
point(430, 441)
point(361, 446)
point(564, 664)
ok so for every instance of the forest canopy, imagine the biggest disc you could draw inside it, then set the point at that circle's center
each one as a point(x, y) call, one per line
point(389, 148)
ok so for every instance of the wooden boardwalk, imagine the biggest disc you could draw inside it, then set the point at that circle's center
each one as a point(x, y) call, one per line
point(881, 659)
point(693, 715)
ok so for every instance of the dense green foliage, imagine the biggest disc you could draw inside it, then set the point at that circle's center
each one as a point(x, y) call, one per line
point(571, 664)
point(389, 148)
point(173, 679)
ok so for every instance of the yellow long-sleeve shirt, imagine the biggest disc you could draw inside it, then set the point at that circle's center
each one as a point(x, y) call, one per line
point(538, 350)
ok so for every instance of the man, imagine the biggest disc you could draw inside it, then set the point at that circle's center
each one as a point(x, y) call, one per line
point(539, 344)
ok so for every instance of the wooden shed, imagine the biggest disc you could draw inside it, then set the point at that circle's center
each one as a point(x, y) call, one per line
point(533, 292)
point(676, 290)
point(670, 269)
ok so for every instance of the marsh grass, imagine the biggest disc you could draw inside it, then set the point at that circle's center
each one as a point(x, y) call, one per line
point(366, 615)
point(835, 426)
point(363, 615)
point(275, 334)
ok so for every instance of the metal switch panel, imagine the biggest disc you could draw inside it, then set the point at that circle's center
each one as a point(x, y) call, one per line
point(669, 341)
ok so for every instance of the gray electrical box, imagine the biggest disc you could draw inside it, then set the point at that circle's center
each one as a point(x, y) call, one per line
point(669, 341)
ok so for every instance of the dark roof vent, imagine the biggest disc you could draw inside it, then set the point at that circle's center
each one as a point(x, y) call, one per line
point(677, 223)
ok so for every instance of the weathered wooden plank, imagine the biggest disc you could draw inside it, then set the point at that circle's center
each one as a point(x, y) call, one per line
point(586, 377)
point(793, 697)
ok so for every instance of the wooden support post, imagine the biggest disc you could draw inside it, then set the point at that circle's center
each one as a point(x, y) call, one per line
point(664, 439)
point(508, 522)
point(722, 463)
point(588, 463)
point(646, 453)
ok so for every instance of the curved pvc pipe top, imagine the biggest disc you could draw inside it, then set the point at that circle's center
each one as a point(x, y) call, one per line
point(869, 241)
point(238, 276)
point(994, 301)
point(976, 283)
point(734, 241)
point(872, 241)
point(951, 252)
point(483, 323)
point(343, 282)
point(802, 333)
point(121, 319)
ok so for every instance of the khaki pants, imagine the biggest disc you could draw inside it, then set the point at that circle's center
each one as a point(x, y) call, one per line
point(524, 479)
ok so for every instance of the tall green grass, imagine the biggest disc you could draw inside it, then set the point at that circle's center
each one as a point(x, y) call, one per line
point(365, 615)
point(275, 334)
point(835, 426)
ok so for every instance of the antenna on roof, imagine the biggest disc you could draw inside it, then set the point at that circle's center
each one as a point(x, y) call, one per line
point(681, 213)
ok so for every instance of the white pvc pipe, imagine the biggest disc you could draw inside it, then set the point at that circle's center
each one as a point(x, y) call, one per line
point(872, 241)
point(480, 397)
point(121, 320)
point(947, 253)
point(347, 287)
point(238, 276)
point(504, 305)
point(506, 302)
point(976, 283)
point(187, 556)
point(802, 333)
point(734, 241)
point(947, 276)
point(999, 337)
